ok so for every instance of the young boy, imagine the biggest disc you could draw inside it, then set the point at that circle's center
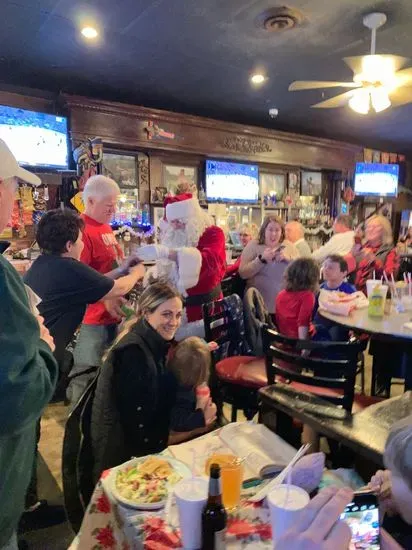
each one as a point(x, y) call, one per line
point(335, 271)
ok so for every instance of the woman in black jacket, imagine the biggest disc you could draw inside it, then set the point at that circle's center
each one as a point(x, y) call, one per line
point(135, 392)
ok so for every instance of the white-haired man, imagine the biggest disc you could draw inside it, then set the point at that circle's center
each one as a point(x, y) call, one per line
point(295, 233)
point(101, 252)
point(28, 370)
point(191, 254)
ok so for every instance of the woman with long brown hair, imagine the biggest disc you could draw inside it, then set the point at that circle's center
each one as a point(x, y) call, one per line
point(265, 259)
point(135, 391)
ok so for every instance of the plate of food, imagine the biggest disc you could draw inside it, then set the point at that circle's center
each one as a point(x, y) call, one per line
point(145, 482)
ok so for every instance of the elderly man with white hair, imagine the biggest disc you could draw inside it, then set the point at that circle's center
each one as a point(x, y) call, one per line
point(101, 252)
point(295, 233)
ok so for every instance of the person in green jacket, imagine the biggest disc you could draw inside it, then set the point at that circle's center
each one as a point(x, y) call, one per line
point(28, 370)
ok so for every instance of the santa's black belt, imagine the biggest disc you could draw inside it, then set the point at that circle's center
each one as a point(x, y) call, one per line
point(200, 299)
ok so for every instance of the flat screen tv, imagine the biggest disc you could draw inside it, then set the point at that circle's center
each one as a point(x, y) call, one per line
point(36, 139)
point(232, 182)
point(376, 180)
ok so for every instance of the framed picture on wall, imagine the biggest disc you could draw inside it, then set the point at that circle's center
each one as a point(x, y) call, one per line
point(180, 179)
point(121, 168)
point(158, 213)
point(293, 185)
point(273, 184)
point(159, 194)
point(311, 184)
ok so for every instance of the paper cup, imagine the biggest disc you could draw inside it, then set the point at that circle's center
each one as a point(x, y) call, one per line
point(371, 284)
point(191, 498)
point(286, 503)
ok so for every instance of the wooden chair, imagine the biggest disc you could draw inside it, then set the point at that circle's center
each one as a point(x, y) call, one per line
point(236, 374)
point(329, 371)
point(326, 369)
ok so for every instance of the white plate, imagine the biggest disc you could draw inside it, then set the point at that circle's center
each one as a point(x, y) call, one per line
point(179, 467)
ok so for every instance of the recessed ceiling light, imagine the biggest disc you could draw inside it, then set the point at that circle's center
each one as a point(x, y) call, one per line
point(257, 78)
point(89, 32)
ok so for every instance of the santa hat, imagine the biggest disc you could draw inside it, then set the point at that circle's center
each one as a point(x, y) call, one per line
point(181, 206)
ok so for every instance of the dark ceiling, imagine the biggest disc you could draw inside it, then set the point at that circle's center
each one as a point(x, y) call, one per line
point(195, 56)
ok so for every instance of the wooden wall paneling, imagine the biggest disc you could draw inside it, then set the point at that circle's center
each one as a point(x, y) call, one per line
point(126, 126)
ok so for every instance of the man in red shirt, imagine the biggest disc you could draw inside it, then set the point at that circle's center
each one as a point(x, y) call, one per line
point(101, 252)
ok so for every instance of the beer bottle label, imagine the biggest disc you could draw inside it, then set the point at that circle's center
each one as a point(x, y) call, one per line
point(220, 539)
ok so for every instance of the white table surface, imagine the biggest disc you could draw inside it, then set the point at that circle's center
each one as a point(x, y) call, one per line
point(388, 325)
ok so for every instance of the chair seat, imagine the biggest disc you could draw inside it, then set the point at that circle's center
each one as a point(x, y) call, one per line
point(243, 370)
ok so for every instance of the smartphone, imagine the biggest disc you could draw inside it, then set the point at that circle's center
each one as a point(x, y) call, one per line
point(362, 516)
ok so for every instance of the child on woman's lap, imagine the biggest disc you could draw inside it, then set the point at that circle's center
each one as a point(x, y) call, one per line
point(190, 363)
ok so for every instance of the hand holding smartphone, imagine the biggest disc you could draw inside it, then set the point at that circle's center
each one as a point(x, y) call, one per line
point(362, 516)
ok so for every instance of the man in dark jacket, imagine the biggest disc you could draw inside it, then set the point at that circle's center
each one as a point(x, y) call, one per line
point(28, 370)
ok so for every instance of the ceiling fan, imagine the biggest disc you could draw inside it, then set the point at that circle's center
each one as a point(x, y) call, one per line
point(378, 80)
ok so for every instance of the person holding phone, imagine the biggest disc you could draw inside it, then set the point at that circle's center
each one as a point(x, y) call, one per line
point(264, 260)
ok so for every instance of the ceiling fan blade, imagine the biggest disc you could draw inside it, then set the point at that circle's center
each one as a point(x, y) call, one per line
point(337, 101)
point(401, 96)
point(404, 77)
point(315, 84)
point(356, 62)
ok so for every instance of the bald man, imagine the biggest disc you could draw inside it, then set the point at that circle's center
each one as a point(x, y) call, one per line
point(295, 233)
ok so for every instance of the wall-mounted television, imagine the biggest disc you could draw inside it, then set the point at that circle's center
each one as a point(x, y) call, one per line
point(232, 182)
point(376, 180)
point(36, 139)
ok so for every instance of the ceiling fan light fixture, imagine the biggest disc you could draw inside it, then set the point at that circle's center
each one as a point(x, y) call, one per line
point(380, 99)
point(360, 102)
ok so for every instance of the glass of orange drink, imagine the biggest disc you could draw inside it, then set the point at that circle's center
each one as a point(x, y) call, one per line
point(231, 468)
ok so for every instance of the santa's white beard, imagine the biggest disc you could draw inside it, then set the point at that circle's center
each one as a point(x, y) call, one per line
point(174, 238)
point(179, 238)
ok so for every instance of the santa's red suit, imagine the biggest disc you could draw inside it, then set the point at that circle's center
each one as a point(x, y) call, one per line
point(200, 250)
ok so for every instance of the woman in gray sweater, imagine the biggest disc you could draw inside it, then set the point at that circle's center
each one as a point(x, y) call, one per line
point(265, 259)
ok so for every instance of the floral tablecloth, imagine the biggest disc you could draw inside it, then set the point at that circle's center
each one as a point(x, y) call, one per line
point(109, 525)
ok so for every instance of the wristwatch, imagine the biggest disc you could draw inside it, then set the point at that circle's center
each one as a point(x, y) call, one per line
point(262, 259)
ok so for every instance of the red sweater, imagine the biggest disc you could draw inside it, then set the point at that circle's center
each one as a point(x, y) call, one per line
point(294, 310)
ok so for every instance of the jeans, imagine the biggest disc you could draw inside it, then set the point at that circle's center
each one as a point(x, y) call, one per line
point(92, 342)
point(12, 544)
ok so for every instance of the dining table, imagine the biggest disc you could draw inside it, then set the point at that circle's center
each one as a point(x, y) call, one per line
point(364, 432)
point(110, 524)
point(391, 328)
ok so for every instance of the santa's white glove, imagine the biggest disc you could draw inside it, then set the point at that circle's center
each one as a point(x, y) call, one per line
point(152, 252)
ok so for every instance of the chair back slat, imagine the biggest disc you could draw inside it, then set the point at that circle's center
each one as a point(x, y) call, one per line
point(327, 367)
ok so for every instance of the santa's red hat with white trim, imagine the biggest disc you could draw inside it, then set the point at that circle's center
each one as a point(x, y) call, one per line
point(182, 206)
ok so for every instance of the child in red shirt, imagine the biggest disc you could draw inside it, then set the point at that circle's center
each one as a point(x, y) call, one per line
point(294, 305)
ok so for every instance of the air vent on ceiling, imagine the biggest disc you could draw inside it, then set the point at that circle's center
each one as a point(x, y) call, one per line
point(280, 19)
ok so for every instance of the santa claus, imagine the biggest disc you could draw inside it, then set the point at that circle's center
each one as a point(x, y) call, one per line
point(191, 254)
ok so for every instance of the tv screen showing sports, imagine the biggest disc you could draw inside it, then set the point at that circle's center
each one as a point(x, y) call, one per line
point(36, 139)
point(376, 180)
point(232, 182)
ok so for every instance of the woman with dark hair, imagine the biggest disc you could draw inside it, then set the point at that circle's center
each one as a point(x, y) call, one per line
point(135, 391)
point(265, 259)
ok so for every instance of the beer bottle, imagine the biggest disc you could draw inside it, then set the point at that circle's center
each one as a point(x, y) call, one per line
point(214, 516)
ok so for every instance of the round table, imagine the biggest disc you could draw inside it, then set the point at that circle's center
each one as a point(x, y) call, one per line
point(389, 328)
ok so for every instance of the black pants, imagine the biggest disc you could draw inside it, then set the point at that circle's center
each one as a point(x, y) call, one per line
point(387, 363)
point(31, 494)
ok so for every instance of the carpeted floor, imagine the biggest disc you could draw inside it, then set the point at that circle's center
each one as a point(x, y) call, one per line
point(49, 471)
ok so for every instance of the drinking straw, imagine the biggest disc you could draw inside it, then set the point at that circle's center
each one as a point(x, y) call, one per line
point(374, 277)
point(405, 278)
point(410, 281)
point(394, 287)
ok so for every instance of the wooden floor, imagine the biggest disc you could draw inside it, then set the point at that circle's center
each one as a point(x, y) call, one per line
point(49, 470)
